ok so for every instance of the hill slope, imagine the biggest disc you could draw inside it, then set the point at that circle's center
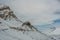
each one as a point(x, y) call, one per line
point(10, 29)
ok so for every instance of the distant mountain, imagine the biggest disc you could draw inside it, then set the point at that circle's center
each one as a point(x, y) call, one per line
point(11, 28)
point(8, 15)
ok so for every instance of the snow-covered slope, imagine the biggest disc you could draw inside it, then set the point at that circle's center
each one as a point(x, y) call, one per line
point(11, 34)
point(7, 32)
point(8, 15)
point(57, 37)
point(46, 28)
point(56, 34)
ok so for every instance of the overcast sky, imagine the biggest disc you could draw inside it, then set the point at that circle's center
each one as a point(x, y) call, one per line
point(35, 11)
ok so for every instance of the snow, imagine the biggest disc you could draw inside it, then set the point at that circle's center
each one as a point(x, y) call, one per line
point(56, 32)
point(12, 34)
point(6, 33)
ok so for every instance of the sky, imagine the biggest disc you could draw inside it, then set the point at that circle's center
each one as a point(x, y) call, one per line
point(36, 11)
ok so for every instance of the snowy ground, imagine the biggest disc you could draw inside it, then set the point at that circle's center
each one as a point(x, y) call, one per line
point(10, 34)
point(6, 33)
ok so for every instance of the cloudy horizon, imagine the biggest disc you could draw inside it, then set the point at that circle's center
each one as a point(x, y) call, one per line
point(36, 11)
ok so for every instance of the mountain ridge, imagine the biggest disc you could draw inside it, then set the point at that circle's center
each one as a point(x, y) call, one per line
point(8, 33)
